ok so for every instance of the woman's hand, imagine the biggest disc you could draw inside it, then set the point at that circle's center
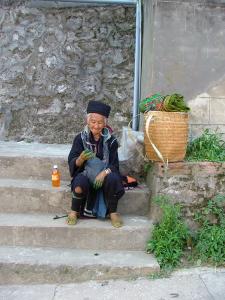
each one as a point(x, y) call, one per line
point(85, 155)
point(99, 180)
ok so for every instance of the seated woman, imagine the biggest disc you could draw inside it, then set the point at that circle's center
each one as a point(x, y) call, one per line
point(94, 167)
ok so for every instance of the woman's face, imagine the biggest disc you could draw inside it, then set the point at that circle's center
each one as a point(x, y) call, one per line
point(96, 123)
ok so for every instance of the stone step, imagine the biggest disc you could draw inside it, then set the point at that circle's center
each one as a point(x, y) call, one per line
point(21, 265)
point(33, 160)
point(40, 230)
point(22, 196)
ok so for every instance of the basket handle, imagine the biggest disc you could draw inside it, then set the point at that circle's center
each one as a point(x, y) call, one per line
point(158, 153)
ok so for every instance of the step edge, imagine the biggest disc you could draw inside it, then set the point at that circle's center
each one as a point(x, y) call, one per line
point(22, 255)
point(31, 183)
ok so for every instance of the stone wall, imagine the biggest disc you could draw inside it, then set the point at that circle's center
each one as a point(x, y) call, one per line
point(183, 51)
point(187, 183)
point(53, 61)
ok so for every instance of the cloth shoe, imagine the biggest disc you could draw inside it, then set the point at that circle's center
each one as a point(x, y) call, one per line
point(116, 220)
point(72, 219)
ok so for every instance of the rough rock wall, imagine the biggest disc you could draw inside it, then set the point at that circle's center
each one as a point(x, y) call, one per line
point(189, 184)
point(53, 61)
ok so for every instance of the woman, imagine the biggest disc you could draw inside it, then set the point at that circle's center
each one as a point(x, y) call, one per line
point(94, 167)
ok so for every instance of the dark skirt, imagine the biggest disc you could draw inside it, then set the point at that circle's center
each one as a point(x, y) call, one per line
point(112, 188)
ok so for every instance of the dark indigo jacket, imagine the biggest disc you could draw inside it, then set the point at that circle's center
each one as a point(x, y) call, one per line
point(78, 147)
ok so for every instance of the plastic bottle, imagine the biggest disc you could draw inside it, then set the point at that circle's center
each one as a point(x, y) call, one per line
point(55, 176)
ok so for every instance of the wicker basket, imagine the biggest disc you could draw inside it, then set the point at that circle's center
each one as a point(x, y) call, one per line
point(166, 135)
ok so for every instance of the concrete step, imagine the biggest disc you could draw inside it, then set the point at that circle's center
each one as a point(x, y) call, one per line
point(21, 265)
point(22, 196)
point(33, 160)
point(40, 230)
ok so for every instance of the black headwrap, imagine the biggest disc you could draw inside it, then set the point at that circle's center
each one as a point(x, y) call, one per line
point(98, 108)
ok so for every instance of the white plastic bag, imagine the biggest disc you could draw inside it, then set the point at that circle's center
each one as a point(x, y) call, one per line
point(131, 143)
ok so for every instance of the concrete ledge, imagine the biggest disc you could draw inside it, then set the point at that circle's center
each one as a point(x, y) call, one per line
point(33, 161)
point(33, 196)
point(33, 168)
point(48, 265)
point(42, 231)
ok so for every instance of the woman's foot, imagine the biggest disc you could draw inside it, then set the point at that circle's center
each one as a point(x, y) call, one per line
point(72, 218)
point(116, 220)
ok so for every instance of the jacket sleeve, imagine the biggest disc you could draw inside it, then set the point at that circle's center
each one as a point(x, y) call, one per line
point(75, 151)
point(113, 155)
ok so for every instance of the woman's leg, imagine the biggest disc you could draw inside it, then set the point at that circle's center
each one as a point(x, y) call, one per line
point(113, 191)
point(80, 188)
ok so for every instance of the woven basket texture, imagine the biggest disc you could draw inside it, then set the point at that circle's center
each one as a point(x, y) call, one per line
point(169, 132)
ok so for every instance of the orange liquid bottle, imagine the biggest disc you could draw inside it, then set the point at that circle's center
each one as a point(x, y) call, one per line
point(55, 176)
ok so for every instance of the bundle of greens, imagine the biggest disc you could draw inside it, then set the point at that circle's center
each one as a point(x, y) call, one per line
point(152, 102)
point(175, 103)
point(208, 147)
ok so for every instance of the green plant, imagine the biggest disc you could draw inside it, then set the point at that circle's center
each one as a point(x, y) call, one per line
point(147, 167)
point(169, 236)
point(208, 147)
point(210, 237)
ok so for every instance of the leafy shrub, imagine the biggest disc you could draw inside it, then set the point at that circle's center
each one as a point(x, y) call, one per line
point(208, 147)
point(169, 236)
point(210, 237)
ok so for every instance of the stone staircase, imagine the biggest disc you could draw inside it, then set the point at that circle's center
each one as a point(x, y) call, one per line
point(35, 248)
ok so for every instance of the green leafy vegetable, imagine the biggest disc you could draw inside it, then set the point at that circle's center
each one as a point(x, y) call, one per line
point(175, 103)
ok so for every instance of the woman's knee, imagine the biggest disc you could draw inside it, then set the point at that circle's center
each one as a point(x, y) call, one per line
point(80, 184)
point(78, 190)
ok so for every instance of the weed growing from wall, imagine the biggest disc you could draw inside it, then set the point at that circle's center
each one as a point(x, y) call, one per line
point(210, 237)
point(169, 236)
